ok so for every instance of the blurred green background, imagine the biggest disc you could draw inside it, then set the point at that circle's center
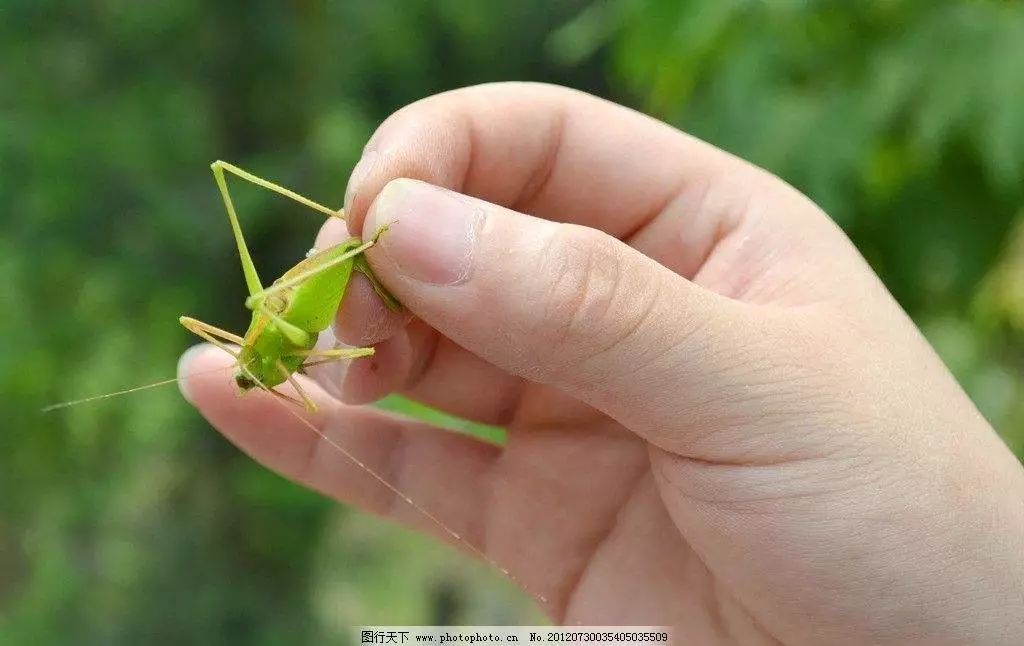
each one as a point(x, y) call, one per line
point(130, 521)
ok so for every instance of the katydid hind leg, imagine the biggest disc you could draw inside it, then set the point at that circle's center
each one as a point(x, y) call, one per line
point(252, 278)
point(277, 188)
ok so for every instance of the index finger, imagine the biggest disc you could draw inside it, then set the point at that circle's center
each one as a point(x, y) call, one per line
point(566, 156)
point(551, 152)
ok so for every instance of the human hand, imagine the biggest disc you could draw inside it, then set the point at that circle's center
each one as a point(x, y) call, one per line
point(718, 419)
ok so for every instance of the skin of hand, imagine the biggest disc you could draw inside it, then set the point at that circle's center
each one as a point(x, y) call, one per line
point(718, 418)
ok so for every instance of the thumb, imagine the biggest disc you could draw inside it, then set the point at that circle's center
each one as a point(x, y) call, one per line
point(564, 305)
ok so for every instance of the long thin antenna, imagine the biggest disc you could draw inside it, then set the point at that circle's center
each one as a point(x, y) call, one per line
point(126, 391)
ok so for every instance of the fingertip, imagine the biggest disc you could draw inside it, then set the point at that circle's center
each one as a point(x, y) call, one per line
point(432, 232)
point(196, 367)
point(184, 361)
point(207, 382)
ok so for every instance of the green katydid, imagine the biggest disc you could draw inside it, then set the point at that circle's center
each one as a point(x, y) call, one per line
point(288, 316)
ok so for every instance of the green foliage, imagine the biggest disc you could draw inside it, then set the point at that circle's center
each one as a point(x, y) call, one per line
point(129, 521)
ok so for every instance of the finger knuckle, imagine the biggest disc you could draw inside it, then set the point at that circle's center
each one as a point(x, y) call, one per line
point(584, 291)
